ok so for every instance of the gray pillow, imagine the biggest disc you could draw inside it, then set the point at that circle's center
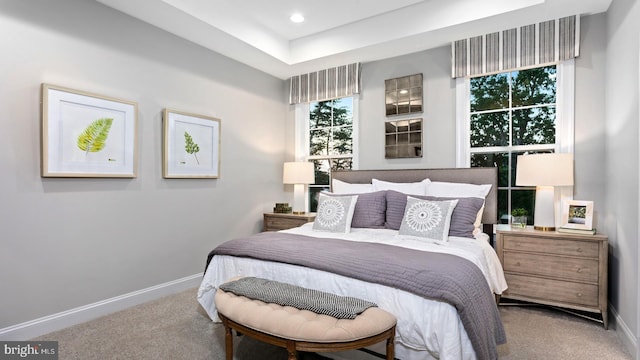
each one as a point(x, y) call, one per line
point(334, 213)
point(427, 219)
point(370, 210)
point(462, 220)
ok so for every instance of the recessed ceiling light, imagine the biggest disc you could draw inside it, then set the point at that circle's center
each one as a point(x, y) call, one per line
point(297, 18)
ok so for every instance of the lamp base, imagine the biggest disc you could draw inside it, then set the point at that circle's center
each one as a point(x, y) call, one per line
point(299, 206)
point(545, 218)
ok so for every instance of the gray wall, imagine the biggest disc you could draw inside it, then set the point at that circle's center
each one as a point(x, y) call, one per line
point(438, 118)
point(621, 163)
point(589, 116)
point(71, 242)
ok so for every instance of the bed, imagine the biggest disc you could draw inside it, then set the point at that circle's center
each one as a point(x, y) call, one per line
point(429, 326)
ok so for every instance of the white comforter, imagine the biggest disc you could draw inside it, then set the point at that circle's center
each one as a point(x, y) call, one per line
point(426, 328)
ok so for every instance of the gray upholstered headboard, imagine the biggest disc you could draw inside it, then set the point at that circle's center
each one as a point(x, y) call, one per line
point(478, 175)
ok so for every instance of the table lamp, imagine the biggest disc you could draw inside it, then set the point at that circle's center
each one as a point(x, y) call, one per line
point(299, 174)
point(544, 171)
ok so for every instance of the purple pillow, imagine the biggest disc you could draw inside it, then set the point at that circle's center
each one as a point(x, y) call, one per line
point(462, 220)
point(370, 209)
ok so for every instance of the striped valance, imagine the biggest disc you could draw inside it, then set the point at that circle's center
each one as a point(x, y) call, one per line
point(325, 84)
point(531, 45)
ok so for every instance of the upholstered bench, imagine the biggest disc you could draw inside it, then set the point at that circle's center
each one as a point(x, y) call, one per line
point(302, 330)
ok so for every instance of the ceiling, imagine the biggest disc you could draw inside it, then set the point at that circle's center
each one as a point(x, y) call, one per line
point(335, 32)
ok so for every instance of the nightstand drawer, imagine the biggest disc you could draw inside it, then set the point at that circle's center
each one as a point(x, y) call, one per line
point(279, 221)
point(569, 268)
point(546, 290)
point(551, 246)
point(283, 223)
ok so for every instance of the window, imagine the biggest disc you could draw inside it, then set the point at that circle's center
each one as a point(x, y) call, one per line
point(330, 130)
point(510, 114)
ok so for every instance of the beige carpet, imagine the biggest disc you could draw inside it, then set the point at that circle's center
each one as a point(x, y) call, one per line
point(175, 327)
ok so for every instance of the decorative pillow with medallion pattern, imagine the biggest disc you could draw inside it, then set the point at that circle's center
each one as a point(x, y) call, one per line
point(427, 219)
point(334, 213)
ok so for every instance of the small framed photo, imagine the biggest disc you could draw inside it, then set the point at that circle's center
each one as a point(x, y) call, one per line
point(87, 135)
point(577, 215)
point(191, 146)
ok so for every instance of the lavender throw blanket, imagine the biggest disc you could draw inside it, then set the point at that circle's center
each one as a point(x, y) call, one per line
point(443, 277)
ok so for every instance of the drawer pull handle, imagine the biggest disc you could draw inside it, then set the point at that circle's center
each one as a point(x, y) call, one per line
point(579, 294)
point(579, 270)
point(518, 263)
point(579, 250)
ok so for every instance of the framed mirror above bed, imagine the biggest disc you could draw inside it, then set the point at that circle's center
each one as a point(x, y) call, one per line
point(403, 139)
point(403, 95)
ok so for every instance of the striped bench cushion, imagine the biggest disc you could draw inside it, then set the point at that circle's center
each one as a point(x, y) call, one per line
point(319, 302)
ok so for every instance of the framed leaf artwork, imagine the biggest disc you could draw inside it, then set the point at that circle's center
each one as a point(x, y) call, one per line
point(191, 145)
point(87, 135)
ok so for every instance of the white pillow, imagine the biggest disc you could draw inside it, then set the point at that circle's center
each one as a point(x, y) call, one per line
point(477, 225)
point(335, 213)
point(415, 188)
point(427, 219)
point(341, 187)
point(449, 189)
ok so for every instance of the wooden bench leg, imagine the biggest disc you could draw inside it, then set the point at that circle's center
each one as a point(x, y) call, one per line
point(291, 349)
point(390, 345)
point(228, 341)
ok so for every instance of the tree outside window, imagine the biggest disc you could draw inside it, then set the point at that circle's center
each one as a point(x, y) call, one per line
point(511, 114)
point(330, 142)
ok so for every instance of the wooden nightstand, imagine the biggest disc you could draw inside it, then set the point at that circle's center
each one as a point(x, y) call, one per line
point(557, 269)
point(277, 221)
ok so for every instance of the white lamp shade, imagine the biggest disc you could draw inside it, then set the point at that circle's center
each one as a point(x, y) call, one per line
point(298, 173)
point(545, 170)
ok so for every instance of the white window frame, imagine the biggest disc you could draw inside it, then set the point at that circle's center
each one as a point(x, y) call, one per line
point(301, 141)
point(565, 100)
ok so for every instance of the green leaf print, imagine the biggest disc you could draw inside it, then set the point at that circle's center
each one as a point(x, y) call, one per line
point(94, 137)
point(190, 146)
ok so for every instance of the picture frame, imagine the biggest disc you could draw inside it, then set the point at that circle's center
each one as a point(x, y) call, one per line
point(577, 214)
point(87, 135)
point(191, 145)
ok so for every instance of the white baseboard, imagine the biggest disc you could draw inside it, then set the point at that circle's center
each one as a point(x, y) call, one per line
point(624, 333)
point(44, 325)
